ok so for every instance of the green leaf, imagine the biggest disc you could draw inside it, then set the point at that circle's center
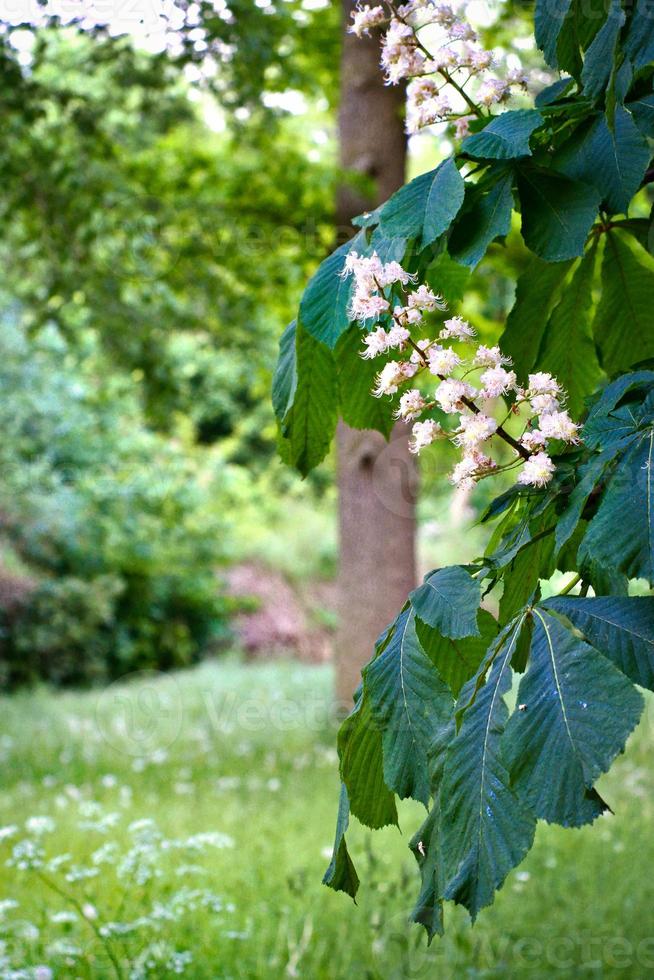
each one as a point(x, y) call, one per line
point(361, 766)
point(621, 535)
point(505, 137)
point(583, 20)
point(623, 322)
point(552, 93)
point(576, 712)
point(642, 110)
point(589, 475)
point(448, 601)
point(486, 215)
point(599, 59)
point(620, 627)
point(486, 829)
point(284, 380)
point(448, 278)
point(457, 660)
point(356, 376)
point(557, 213)
point(426, 206)
point(611, 159)
point(639, 43)
point(409, 702)
point(310, 422)
point(325, 301)
point(523, 575)
point(548, 21)
point(341, 874)
point(536, 293)
point(425, 845)
point(568, 350)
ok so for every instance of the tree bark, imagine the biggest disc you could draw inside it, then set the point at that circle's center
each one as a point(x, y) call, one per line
point(377, 479)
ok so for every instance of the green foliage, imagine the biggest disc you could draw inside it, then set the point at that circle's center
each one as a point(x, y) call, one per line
point(442, 728)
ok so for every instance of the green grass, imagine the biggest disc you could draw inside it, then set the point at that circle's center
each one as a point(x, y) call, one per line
point(247, 752)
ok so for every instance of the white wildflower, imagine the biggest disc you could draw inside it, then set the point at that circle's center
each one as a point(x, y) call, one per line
point(39, 825)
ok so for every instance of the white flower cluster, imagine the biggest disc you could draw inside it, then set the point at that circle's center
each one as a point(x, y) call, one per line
point(390, 290)
point(441, 67)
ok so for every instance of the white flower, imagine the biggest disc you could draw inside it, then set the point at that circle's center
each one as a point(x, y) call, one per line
point(475, 429)
point(397, 336)
point(490, 357)
point(462, 127)
point(365, 18)
point(450, 393)
point(479, 59)
point(559, 425)
point(533, 440)
point(89, 911)
point(424, 299)
point(542, 383)
point(376, 343)
point(544, 405)
point(457, 328)
point(474, 465)
point(393, 272)
point(492, 90)
point(406, 314)
point(443, 360)
point(39, 825)
point(422, 434)
point(516, 76)
point(366, 307)
point(391, 376)
point(43, 973)
point(411, 405)
point(462, 31)
point(443, 14)
point(424, 346)
point(537, 471)
point(497, 381)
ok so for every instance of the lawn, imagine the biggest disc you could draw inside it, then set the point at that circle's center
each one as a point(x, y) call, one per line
point(181, 825)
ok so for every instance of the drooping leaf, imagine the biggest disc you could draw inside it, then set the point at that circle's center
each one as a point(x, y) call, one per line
point(356, 377)
point(548, 21)
point(620, 627)
point(523, 574)
point(568, 350)
point(589, 475)
point(486, 215)
point(325, 302)
point(448, 601)
point(622, 325)
point(582, 22)
point(639, 43)
point(426, 206)
point(575, 712)
point(613, 159)
point(361, 764)
point(409, 702)
point(505, 137)
point(310, 422)
point(599, 59)
point(621, 535)
point(552, 93)
point(486, 829)
point(456, 660)
point(642, 109)
point(425, 845)
point(536, 293)
point(448, 278)
point(341, 874)
point(284, 380)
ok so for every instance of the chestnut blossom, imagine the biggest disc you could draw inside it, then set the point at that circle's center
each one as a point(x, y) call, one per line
point(537, 471)
point(490, 357)
point(475, 429)
point(423, 434)
point(473, 466)
point(426, 300)
point(364, 307)
point(456, 328)
point(411, 405)
point(376, 343)
point(544, 404)
point(542, 383)
point(533, 440)
point(391, 376)
point(406, 314)
point(442, 360)
point(497, 381)
point(365, 18)
point(450, 394)
point(559, 425)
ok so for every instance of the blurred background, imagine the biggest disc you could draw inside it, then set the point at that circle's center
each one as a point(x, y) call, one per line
point(171, 597)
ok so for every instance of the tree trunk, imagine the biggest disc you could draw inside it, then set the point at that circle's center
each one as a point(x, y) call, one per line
point(377, 480)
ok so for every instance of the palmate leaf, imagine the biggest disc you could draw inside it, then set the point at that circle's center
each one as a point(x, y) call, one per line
point(621, 535)
point(599, 59)
point(505, 137)
point(557, 212)
point(341, 874)
point(425, 844)
point(485, 216)
point(325, 301)
point(620, 627)
point(639, 43)
point(582, 22)
point(361, 766)
point(623, 322)
point(548, 21)
point(409, 701)
point(356, 377)
point(486, 829)
point(425, 207)
point(448, 278)
point(568, 350)
point(642, 110)
point(284, 380)
point(575, 713)
point(448, 601)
